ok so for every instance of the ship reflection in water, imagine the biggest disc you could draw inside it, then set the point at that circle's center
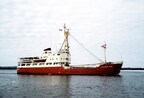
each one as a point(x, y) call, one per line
point(127, 85)
point(45, 85)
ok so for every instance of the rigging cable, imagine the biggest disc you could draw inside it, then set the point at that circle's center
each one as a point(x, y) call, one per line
point(85, 48)
point(61, 46)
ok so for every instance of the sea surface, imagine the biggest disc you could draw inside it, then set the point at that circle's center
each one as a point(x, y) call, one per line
point(129, 84)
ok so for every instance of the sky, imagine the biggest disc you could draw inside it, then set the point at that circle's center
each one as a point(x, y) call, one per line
point(29, 26)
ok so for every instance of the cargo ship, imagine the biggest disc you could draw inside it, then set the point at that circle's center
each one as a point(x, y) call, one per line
point(59, 63)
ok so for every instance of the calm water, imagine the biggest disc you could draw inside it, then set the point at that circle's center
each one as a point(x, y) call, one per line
point(130, 84)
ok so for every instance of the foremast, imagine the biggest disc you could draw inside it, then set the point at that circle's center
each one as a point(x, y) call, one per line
point(65, 45)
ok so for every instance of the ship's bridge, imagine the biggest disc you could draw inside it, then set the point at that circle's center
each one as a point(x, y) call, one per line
point(62, 57)
point(46, 53)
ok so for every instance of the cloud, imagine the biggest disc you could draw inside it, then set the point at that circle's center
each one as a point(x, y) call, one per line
point(27, 25)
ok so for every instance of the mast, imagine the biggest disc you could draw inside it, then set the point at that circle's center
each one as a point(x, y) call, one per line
point(104, 46)
point(65, 44)
point(65, 47)
point(66, 33)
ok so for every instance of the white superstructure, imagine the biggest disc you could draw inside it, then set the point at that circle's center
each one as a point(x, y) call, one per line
point(48, 58)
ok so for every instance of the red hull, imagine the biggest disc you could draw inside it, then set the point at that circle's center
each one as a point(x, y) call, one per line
point(106, 69)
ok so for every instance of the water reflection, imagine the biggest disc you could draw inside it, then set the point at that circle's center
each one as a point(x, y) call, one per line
point(43, 85)
point(73, 86)
point(112, 87)
point(128, 85)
